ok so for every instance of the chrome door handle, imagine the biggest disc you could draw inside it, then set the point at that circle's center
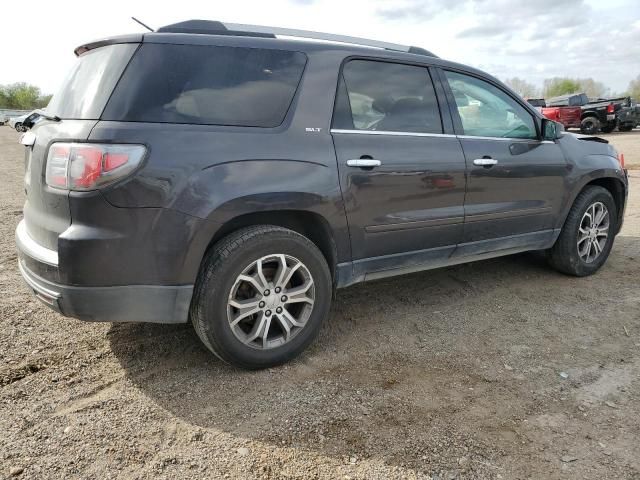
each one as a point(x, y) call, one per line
point(485, 162)
point(364, 163)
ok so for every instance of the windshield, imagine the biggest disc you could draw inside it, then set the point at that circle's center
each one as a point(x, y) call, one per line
point(88, 86)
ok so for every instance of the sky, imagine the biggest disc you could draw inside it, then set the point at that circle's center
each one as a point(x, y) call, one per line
point(530, 39)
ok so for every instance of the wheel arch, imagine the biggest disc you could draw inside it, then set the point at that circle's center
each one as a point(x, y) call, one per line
point(589, 114)
point(311, 224)
point(611, 183)
point(617, 190)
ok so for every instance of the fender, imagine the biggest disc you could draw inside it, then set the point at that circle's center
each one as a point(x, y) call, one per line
point(613, 172)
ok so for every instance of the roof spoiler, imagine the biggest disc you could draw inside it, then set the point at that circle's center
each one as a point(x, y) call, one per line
point(133, 38)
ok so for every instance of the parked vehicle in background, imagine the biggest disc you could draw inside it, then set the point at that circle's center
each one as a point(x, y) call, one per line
point(539, 103)
point(629, 116)
point(597, 116)
point(219, 174)
point(17, 123)
point(569, 117)
point(7, 113)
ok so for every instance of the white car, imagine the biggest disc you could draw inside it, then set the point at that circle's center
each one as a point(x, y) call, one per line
point(16, 122)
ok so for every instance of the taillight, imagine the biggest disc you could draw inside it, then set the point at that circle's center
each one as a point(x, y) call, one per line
point(610, 108)
point(621, 159)
point(87, 166)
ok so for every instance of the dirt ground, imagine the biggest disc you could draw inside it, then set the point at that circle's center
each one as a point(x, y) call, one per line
point(627, 143)
point(501, 369)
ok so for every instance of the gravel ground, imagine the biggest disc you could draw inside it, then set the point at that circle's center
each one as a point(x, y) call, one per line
point(496, 369)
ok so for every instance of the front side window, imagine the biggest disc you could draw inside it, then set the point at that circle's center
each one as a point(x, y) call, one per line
point(487, 111)
point(207, 85)
point(389, 97)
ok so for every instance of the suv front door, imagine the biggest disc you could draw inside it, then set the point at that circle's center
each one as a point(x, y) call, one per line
point(515, 180)
point(402, 175)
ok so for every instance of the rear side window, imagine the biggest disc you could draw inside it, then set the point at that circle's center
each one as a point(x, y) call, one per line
point(207, 85)
point(388, 97)
point(87, 87)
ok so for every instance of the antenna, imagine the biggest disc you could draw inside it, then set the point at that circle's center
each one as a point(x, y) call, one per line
point(144, 25)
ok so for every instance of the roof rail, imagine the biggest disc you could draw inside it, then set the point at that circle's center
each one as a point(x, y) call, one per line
point(239, 29)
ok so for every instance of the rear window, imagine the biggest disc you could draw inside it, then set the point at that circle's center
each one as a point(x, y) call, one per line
point(87, 87)
point(207, 85)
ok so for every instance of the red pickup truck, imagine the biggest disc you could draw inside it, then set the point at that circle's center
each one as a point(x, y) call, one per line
point(570, 117)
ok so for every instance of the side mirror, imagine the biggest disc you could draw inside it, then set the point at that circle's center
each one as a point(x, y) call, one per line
point(551, 130)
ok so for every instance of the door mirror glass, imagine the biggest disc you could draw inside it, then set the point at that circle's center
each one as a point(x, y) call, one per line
point(551, 130)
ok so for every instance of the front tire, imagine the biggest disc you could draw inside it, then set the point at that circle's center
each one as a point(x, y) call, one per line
point(18, 127)
point(261, 297)
point(587, 235)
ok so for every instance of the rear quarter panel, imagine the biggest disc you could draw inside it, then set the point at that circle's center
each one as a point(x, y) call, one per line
point(216, 173)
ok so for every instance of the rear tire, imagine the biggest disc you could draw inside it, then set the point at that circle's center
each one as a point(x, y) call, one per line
point(248, 271)
point(625, 128)
point(575, 251)
point(608, 128)
point(590, 125)
point(18, 127)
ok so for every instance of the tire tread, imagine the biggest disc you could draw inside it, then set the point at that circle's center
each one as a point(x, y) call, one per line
point(219, 254)
point(560, 255)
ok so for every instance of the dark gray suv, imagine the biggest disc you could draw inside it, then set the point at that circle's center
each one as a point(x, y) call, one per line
point(223, 174)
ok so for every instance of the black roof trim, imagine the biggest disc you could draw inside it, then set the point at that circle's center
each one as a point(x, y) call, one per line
point(212, 27)
point(208, 27)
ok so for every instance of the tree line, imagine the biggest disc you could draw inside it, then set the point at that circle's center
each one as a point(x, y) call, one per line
point(22, 96)
point(553, 87)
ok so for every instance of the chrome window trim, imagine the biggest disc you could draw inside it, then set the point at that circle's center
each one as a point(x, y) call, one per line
point(505, 139)
point(398, 134)
point(443, 135)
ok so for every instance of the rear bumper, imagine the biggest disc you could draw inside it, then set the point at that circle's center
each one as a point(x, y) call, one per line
point(129, 303)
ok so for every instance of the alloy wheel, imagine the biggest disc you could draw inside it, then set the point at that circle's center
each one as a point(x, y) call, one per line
point(593, 232)
point(271, 301)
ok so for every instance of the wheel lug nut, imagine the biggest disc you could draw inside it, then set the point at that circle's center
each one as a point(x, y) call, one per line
point(268, 313)
point(267, 293)
point(279, 310)
point(261, 304)
point(284, 298)
point(277, 289)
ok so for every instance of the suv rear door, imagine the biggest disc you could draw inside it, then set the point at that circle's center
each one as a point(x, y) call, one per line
point(515, 181)
point(410, 199)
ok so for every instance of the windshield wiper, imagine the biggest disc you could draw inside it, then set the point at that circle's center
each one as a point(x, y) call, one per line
point(33, 116)
point(44, 114)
